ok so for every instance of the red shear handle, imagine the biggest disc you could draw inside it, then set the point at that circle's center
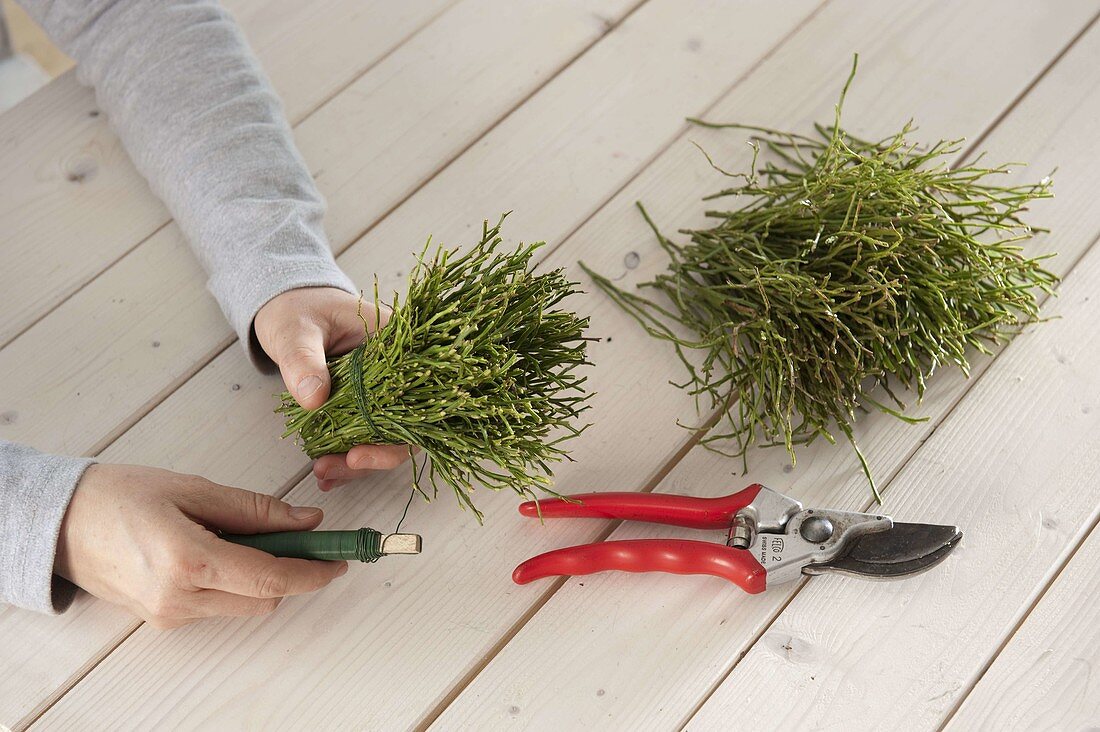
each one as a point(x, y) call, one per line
point(678, 556)
point(661, 508)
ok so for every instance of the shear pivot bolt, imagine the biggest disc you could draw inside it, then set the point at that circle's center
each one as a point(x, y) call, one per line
point(816, 529)
point(741, 536)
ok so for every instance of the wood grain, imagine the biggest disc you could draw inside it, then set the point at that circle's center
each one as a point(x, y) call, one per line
point(64, 169)
point(1045, 678)
point(1013, 465)
point(106, 355)
point(1016, 468)
point(396, 643)
point(637, 651)
point(627, 71)
point(371, 146)
point(146, 324)
point(428, 645)
point(228, 434)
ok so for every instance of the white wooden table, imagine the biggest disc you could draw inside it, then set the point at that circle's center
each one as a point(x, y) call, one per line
point(427, 116)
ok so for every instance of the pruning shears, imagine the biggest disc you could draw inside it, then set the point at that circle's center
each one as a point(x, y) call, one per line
point(770, 539)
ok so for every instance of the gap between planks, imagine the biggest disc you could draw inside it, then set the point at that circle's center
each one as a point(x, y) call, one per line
point(673, 461)
point(1006, 100)
point(309, 113)
point(1093, 528)
point(199, 365)
point(93, 662)
point(650, 485)
point(687, 446)
point(967, 154)
point(408, 37)
point(77, 290)
point(670, 464)
point(608, 29)
point(137, 415)
point(1086, 532)
point(662, 471)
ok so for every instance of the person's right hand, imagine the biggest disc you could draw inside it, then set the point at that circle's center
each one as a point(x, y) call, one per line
point(299, 329)
point(143, 538)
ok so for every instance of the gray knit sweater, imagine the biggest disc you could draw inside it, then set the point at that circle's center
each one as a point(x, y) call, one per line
point(187, 98)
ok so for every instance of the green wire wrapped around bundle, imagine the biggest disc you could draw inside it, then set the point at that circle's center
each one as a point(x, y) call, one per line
point(845, 266)
point(478, 367)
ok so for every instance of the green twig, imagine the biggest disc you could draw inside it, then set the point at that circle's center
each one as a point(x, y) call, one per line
point(847, 265)
point(478, 367)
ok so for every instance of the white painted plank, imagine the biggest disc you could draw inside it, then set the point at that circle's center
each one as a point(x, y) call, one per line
point(313, 50)
point(146, 324)
point(113, 369)
point(1045, 678)
point(434, 606)
point(462, 599)
point(1016, 466)
point(641, 651)
point(69, 186)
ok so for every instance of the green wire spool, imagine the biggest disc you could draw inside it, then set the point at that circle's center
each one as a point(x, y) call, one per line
point(364, 545)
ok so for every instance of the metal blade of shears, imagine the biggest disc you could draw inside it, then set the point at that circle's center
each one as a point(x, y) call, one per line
point(902, 550)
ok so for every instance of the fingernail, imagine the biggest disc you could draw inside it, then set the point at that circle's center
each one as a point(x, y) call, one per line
point(363, 463)
point(342, 571)
point(301, 513)
point(308, 385)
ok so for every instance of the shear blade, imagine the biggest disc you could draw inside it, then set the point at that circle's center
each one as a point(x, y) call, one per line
point(902, 550)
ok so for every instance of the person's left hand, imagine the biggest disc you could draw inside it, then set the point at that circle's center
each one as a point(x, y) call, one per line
point(297, 329)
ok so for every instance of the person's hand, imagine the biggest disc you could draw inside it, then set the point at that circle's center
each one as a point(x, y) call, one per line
point(144, 538)
point(298, 329)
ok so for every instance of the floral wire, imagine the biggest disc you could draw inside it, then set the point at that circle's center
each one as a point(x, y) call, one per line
point(412, 494)
point(357, 382)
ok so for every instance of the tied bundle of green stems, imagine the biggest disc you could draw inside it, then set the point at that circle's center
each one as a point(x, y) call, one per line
point(851, 266)
point(477, 367)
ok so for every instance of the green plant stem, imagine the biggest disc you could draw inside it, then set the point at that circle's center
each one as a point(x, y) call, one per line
point(845, 266)
point(478, 367)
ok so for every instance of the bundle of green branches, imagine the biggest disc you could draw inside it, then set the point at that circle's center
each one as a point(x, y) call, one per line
point(849, 266)
point(477, 367)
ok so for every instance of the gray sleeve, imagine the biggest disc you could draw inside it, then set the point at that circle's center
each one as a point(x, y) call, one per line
point(202, 123)
point(34, 492)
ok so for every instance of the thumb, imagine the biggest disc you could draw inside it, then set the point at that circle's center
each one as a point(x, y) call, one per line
point(244, 512)
point(301, 361)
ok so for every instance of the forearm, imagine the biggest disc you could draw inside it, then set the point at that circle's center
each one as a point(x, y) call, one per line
point(191, 105)
point(35, 490)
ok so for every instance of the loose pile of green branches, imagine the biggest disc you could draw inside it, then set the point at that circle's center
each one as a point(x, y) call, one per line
point(849, 265)
point(478, 367)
